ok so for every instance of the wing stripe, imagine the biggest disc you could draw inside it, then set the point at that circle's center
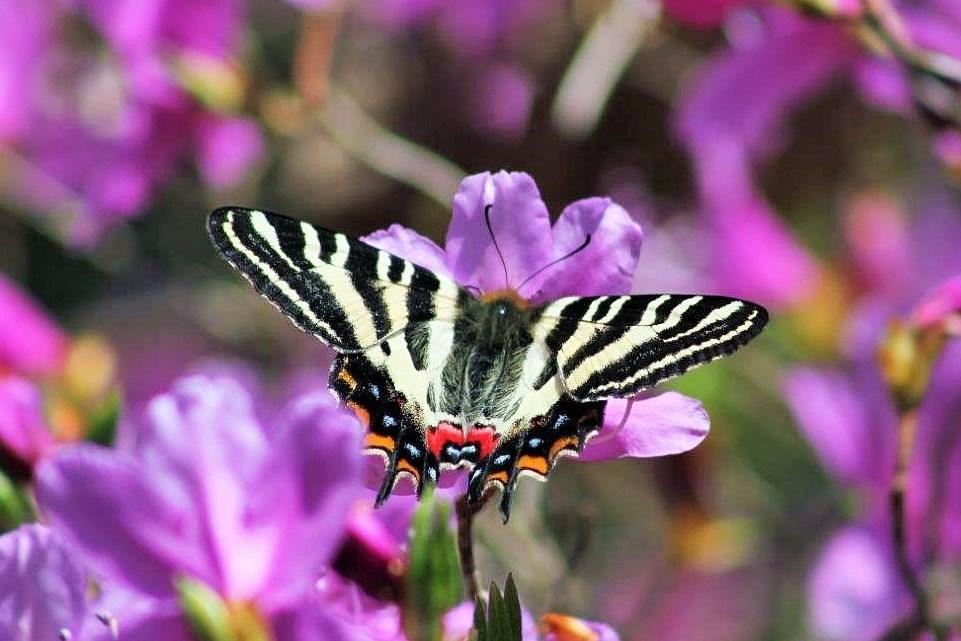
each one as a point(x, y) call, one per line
point(674, 363)
point(641, 359)
point(615, 346)
point(349, 294)
point(272, 277)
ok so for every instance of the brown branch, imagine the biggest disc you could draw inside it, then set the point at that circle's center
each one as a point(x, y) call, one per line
point(314, 55)
point(907, 428)
point(466, 512)
point(906, 357)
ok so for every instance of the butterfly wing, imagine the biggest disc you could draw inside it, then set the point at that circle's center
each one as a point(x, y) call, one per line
point(390, 320)
point(345, 292)
point(589, 349)
point(616, 346)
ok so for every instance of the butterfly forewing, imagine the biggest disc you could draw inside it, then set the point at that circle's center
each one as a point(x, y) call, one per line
point(345, 292)
point(611, 346)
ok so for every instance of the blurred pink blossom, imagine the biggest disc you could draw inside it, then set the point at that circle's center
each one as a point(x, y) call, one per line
point(731, 115)
point(103, 126)
point(937, 305)
point(30, 341)
point(25, 437)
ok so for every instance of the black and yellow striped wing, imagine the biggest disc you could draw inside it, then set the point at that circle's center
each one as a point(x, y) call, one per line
point(616, 346)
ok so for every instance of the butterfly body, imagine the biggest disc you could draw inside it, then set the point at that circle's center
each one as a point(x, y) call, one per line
point(442, 378)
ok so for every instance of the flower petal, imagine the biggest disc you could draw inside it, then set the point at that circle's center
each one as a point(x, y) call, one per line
point(669, 423)
point(23, 430)
point(829, 409)
point(519, 223)
point(408, 244)
point(728, 121)
point(203, 449)
point(942, 302)
point(606, 265)
point(29, 340)
point(854, 591)
point(308, 487)
point(99, 499)
point(313, 622)
point(136, 617)
point(743, 95)
point(755, 255)
point(561, 627)
point(42, 587)
point(228, 149)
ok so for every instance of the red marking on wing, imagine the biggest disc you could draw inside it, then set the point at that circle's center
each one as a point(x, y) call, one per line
point(484, 437)
point(443, 434)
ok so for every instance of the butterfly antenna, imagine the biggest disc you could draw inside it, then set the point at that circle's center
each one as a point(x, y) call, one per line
point(574, 252)
point(490, 230)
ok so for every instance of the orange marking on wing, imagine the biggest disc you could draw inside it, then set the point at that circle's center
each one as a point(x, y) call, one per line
point(562, 444)
point(498, 476)
point(362, 412)
point(533, 463)
point(510, 295)
point(379, 442)
point(405, 466)
point(344, 375)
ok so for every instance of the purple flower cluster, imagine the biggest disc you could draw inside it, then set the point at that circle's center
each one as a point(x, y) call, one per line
point(100, 102)
point(731, 118)
point(848, 415)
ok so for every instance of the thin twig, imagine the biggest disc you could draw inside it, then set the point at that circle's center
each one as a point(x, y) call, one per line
point(907, 428)
point(350, 127)
point(600, 60)
point(387, 153)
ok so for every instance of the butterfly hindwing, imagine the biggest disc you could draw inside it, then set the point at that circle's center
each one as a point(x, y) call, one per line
point(394, 421)
point(615, 346)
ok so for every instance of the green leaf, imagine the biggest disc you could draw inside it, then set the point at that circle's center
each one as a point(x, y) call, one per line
point(103, 420)
point(433, 576)
point(480, 620)
point(513, 605)
point(501, 619)
point(204, 610)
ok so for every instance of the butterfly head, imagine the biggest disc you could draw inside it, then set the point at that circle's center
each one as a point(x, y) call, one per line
point(503, 299)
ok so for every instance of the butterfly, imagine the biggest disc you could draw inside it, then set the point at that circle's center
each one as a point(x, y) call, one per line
point(445, 377)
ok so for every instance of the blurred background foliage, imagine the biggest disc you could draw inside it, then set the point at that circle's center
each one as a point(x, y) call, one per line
point(138, 121)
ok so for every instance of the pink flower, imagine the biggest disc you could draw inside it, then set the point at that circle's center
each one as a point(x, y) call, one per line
point(666, 424)
point(944, 301)
point(205, 492)
point(25, 437)
point(30, 342)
